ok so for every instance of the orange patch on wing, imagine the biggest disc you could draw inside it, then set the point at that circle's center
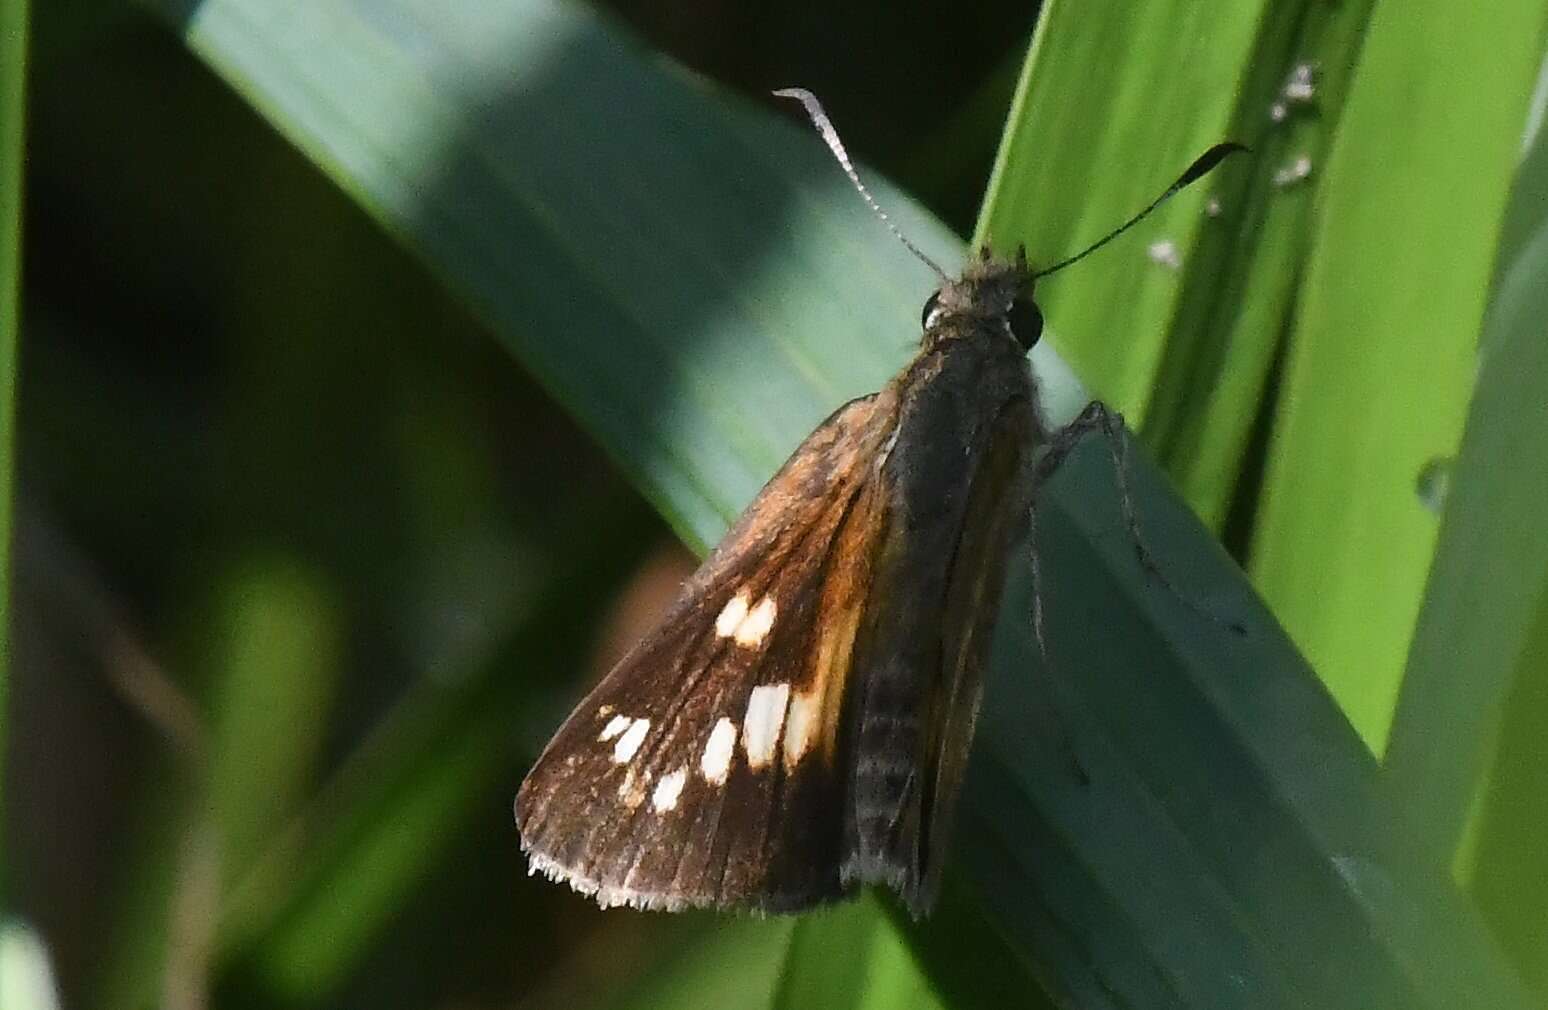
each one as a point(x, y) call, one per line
point(843, 605)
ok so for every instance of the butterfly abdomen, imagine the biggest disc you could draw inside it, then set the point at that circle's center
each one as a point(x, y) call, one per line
point(884, 796)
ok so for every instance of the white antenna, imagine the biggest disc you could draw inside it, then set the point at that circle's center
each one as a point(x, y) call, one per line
point(830, 136)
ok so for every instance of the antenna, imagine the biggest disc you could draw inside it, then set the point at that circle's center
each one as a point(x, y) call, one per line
point(830, 136)
point(1200, 167)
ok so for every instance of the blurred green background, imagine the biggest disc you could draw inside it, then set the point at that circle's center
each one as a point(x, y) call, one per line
point(376, 358)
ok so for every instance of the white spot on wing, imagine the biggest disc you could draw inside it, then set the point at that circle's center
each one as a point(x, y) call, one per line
point(754, 628)
point(801, 726)
point(765, 716)
point(630, 741)
point(716, 762)
point(614, 727)
point(668, 790)
point(731, 616)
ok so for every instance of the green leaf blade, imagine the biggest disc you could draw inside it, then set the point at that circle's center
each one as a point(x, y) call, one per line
point(1380, 364)
point(1466, 747)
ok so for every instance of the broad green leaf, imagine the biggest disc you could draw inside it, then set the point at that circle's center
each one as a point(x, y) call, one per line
point(699, 285)
point(1381, 359)
point(1467, 739)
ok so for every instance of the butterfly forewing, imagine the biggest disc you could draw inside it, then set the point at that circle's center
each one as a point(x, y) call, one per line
point(995, 516)
point(694, 773)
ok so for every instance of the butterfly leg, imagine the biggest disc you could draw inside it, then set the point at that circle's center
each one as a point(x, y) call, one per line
point(1037, 586)
point(1098, 418)
point(1045, 712)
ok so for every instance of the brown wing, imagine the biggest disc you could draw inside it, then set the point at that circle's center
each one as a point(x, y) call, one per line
point(709, 767)
point(996, 516)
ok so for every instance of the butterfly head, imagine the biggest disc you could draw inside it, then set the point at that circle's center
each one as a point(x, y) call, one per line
point(992, 294)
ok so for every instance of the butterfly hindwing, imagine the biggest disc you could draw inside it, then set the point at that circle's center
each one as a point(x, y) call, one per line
point(708, 767)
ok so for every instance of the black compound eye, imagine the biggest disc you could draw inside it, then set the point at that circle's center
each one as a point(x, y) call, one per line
point(1026, 322)
point(931, 304)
